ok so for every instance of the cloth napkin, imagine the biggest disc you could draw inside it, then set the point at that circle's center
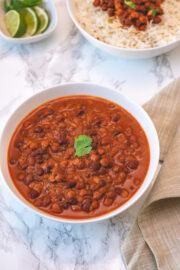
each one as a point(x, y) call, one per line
point(154, 240)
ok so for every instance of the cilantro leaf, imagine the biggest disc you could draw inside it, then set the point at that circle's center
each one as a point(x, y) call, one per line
point(80, 152)
point(83, 141)
point(82, 145)
point(130, 4)
point(154, 11)
point(15, 4)
point(19, 4)
point(6, 7)
point(31, 3)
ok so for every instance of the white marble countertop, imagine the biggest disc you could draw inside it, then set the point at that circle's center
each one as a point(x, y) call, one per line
point(28, 241)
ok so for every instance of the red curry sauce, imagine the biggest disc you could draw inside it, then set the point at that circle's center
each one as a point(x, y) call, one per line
point(45, 170)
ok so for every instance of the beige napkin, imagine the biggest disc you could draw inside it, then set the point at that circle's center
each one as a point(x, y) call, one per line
point(154, 240)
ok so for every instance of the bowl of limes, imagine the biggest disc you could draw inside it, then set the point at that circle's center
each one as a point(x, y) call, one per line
point(27, 21)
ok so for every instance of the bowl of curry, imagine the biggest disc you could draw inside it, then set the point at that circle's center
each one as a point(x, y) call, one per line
point(79, 153)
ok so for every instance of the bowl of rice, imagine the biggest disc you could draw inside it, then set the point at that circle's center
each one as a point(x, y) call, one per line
point(129, 42)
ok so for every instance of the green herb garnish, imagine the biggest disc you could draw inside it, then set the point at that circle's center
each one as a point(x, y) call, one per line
point(154, 11)
point(82, 145)
point(6, 7)
point(110, 20)
point(31, 3)
point(130, 4)
point(18, 4)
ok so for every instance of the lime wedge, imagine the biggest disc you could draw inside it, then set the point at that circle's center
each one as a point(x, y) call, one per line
point(43, 19)
point(31, 20)
point(15, 23)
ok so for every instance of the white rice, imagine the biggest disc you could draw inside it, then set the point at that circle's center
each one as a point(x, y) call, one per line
point(95, 22)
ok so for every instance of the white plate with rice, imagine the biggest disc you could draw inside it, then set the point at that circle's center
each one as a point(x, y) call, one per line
point(130, 43)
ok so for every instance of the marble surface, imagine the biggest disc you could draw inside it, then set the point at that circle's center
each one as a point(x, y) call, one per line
point(28, 241)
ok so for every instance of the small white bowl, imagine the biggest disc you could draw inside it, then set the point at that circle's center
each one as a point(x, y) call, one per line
point(122, 52)
point(80, 89)
point(49, 6)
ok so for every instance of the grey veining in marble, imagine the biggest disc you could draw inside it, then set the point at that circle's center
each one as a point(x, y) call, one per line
point(28, 241)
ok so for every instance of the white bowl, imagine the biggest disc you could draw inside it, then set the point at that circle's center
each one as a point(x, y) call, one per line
point(80, 89)
point(123, 52)
point(49, 6)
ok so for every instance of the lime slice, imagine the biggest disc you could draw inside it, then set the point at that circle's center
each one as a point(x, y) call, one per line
point(43, 19)
point(15, 23)
point(31, 20)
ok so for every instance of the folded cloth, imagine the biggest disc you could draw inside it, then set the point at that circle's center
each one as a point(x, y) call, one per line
point(154, 240)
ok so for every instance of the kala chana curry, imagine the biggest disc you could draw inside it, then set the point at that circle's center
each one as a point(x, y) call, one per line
point(78, 157)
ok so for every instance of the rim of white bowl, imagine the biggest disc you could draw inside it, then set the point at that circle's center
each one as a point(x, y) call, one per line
point(140, 192)
point(78, 25)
